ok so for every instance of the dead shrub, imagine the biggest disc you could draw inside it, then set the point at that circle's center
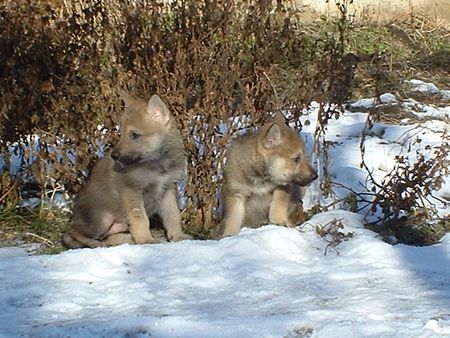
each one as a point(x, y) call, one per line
point(222, 66)
point(407, 188)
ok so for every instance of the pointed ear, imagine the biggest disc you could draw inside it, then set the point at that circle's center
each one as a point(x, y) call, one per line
point(158, 110)
point(279, 119)
point(126, 97)
point(272, 137)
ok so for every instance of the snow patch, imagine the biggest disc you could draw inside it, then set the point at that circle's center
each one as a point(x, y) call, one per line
point(266, 282)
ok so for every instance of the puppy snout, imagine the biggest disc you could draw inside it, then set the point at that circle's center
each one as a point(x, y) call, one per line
point(115, 154)
point(314, 176)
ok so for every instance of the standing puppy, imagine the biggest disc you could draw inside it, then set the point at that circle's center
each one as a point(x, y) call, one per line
point(264, 178)
point(135, 180)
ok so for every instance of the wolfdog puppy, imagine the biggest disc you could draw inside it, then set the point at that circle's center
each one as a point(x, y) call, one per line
point(137, 179)
point(264, 178)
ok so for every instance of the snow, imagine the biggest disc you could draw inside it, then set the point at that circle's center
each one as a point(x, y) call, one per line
point(387, 98)
point(421, 110)
point(364, 104)
point(423, 87)
point(267, 282)
point(383, 142)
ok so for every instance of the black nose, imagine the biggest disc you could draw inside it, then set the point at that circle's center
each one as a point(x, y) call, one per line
point(314, 176)
point(115, 155)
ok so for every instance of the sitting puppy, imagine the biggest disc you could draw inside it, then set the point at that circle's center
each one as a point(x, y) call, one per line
point(264, 178)
point(137, 179)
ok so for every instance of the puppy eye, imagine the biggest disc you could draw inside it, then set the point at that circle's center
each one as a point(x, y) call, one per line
point(134, 135)
point(296, 159)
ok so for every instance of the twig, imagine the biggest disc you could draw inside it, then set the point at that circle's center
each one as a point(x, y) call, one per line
point(11, 188)
point(353, 191)
point(46, 241)
point(277, 102)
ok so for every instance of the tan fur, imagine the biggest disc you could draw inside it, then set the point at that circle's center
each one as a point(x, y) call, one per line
point(135, 180)
point(264, 178)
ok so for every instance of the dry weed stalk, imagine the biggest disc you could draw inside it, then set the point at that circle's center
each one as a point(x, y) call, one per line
point(221, 66)
point(332, 234)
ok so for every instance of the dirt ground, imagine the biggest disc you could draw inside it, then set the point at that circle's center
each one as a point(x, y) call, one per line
point(383, 11)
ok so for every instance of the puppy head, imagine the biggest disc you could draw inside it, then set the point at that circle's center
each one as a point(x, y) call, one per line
point(284, 156)
point(143, 128)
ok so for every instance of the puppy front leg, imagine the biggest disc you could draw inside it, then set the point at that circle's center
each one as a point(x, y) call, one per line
point(170, 214)
point(278, 212)
point(234, 214)
point(137, 217)
point(296, 212)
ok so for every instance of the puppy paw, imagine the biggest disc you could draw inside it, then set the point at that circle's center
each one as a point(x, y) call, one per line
point(279, 221)
point(152, 240)
point(178, 237)
point(97, 244)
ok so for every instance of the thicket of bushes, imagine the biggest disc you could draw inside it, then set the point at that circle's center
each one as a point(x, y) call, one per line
point(62, 64)
point(220, 65)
